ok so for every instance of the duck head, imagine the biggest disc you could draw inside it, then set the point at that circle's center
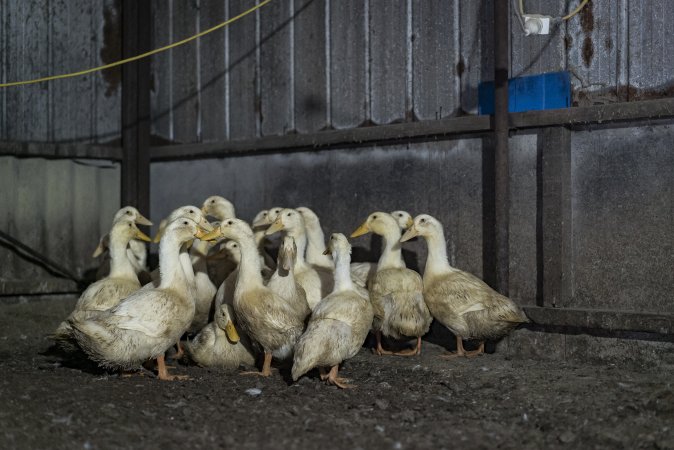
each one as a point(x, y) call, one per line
point(218, 207)
point(287, 219)
point(423, 225)
point(131, 213)
point(380, 223)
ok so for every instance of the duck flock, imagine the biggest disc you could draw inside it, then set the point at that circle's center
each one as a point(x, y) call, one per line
point(217, 285)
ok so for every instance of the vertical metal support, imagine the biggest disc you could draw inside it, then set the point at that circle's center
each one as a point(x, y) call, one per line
point(553, 218)
point(501, 172)
point(136, 38)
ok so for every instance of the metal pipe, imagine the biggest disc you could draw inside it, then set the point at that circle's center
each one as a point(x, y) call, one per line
point(501, 175)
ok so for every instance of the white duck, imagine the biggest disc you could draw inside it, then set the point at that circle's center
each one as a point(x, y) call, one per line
point(219, 344)
point(396, 291)
point(218, 207)
point(260, 224)
point(145, 324)
point(338, 325)
point(136, 251)
point(283, 281)
point(120, 282)
point(362, 272)
point(315, 240)
point(204, 288)
point(459, 300)
point(265, 316)
point(317, 282)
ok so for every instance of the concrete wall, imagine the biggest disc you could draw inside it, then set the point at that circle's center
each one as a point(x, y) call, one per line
point(622, 204)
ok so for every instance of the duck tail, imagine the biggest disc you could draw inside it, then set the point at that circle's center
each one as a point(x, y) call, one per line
point(91, 335)
point(62, 333)
point(307, 353)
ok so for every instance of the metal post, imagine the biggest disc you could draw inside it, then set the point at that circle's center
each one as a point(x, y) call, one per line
point(501, 175)
point(136, 38)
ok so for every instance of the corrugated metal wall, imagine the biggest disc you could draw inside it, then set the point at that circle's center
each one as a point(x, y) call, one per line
point(306, 65)
point(57, 207)
point(40, 38)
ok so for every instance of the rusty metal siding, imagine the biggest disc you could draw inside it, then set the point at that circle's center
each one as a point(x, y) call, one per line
point(59, 208)
point(595, 52)
point(45, 38)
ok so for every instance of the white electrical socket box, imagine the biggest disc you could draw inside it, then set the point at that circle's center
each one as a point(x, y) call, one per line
point(536, 24)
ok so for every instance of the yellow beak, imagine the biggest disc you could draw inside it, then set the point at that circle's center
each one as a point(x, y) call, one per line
point(205, 224)
point(157, 238)
point(212, 235)
point(363, 229)
point(99, 250)
point(140, 220)
point(409, 234)
point(274, 227)
point(409, 223)
point(231, 332)
point(142, 236)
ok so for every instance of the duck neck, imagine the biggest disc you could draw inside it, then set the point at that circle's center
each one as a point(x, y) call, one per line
point(436, 261)
point(259, 236)
point(316, 245)
point(342, 272)
point(249, 267)
point(392, 256)
point(198, 254)
point(120, 265)
point(300, 237)
point(171, 270)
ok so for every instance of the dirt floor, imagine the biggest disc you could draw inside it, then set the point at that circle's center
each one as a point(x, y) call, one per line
point(400, 403)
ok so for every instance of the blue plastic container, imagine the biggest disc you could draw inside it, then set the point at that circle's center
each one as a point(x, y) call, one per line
point(536, 92)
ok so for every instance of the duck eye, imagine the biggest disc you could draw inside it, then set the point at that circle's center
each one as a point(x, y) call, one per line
point(400, 215)
point(128, 213)
point(129, 225)
point(191, 211)
point(185, 223)
point(229, 222)
point(423, 221)
point(212, 201)
point(264, 214)
point(289, 214)
point(374, 217)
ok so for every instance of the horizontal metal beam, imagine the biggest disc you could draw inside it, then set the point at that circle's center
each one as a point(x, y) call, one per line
point(579, 117)
point(595, 115)
point(599, 319)
point(598, 115)
point(328, 139)
point(60, 151)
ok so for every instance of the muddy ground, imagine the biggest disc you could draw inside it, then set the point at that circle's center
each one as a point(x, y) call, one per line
point(400, 403)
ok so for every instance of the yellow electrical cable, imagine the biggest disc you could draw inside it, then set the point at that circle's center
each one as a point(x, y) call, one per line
point(576, 11)
point(141, 56)
point(567, 17)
